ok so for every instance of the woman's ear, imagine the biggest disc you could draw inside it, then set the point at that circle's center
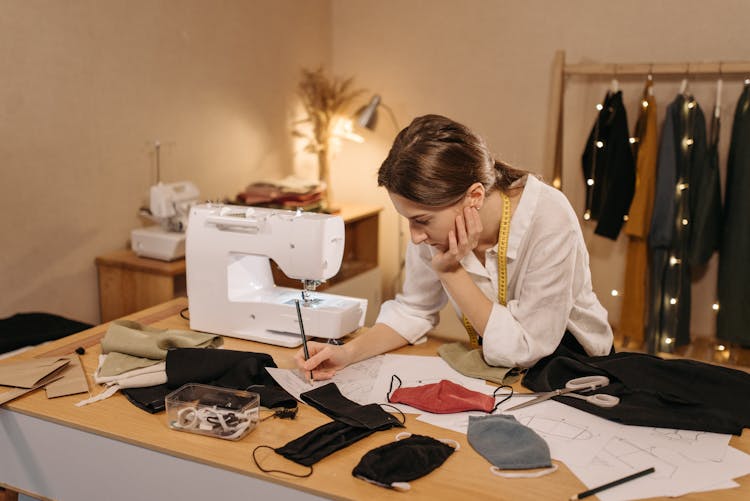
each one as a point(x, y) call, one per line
point(475, 195)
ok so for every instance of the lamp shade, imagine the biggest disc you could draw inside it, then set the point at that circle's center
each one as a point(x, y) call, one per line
point(367, 116)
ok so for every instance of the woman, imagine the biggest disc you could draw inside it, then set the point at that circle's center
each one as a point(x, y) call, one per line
point(502, 246)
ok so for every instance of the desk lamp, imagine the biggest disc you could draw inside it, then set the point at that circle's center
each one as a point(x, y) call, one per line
point(367, 116)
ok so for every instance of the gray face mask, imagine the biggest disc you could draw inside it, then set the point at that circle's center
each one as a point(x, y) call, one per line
point(509, 445)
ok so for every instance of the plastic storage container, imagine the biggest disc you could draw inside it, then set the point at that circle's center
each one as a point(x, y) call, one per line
point(213, 411)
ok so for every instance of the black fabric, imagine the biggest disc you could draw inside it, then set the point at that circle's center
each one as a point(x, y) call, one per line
point(238, 370)
point(26, 329)
point(273, 397)
point(225, 368)
point(150, 398)
point(733, 319)
point(322, 441)
point(682, 394)
point(611, 167)
point(329, 400)
point(403, 460)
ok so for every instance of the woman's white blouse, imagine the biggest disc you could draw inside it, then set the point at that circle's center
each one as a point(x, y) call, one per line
point(549, 286)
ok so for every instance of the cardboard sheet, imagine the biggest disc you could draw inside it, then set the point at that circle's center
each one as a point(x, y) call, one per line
point(60, 376)
point(73, 380)
point(28, 373)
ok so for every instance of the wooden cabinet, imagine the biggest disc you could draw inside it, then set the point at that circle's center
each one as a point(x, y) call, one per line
point(128, 283)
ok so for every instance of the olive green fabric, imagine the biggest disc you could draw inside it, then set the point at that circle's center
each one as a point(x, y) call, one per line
point(140, 345)
point(470, 362)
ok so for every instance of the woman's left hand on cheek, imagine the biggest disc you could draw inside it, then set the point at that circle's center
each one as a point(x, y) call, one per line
point(473, 226)
point(461, 241)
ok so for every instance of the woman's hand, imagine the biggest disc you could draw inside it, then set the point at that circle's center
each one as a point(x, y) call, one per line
point(325, 359)
point(462, 240)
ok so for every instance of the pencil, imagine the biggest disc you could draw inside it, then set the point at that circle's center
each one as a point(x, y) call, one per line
point(614, 483)
point(302, 333)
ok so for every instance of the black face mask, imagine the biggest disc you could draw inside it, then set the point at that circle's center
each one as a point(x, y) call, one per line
point(352, 422)
point(329, 400)
point(394, 465)
point(321, 442)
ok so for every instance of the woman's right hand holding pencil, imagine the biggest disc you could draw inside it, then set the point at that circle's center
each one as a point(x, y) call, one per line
point(324, 359)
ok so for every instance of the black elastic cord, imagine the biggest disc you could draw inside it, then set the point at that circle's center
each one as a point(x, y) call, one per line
point(494, 394)
point(390, 388)
point(397, 410)
point(182, 313)
point(277, 471)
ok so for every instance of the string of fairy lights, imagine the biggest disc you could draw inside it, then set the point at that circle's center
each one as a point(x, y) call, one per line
point(665, 341)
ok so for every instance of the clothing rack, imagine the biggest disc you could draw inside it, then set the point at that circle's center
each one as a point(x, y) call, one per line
point(561, 70)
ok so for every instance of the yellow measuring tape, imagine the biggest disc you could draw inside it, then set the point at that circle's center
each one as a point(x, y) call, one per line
point(502, 272)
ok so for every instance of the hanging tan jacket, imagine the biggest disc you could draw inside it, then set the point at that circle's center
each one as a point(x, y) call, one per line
point(645, 150)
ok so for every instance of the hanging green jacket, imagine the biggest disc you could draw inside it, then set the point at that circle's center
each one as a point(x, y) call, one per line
point(733, 319)
point(705, 201)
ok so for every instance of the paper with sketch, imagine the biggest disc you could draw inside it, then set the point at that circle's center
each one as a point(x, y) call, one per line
point(414, 370)
point(354, 381)
point(597, 450)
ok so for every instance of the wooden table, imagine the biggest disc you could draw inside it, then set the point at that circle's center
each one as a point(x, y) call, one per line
point(113, 450)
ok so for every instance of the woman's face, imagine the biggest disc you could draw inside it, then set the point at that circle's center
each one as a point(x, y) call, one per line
point(428, 224)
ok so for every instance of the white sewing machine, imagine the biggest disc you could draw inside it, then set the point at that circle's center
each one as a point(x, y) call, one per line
point(230, 286)
point(169, 205)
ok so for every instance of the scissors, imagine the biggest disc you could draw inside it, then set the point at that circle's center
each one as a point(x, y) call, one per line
point(585, 383)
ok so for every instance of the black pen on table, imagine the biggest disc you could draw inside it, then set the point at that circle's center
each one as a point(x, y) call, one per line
point(614, 483)
point(302, 333)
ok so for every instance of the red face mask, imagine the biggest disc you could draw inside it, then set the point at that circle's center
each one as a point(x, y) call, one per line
point(445, 397)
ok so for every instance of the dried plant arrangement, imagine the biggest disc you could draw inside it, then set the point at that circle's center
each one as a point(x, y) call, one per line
point(325, 99)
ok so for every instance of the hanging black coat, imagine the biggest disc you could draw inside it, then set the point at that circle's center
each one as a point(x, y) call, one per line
point(682, 152)
point(705, 201)
point(733, 321)
point(609, 168)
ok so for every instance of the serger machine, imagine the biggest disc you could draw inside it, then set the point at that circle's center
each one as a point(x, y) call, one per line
point(230, 286)
point(169, 207)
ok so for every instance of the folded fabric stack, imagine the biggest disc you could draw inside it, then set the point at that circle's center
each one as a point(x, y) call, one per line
point(133, 355)
point(147, 363)
point(290, 193)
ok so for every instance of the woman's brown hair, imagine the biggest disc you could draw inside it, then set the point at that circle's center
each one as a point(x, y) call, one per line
point(435, 160)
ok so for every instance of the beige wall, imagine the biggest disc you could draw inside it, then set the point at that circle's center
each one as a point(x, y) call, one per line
point(488, 64)
point(87, 86)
